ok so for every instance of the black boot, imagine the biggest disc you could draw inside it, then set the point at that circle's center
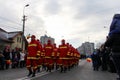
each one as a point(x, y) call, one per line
point(61, 69)
point(30, 72)
point(56, 67)
point(33, 75)
point(38, 69)
point(47, 69)
point(50, 68)
point(69, 68)
point(65, 69)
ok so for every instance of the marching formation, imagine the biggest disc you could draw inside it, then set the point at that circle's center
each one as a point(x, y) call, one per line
point(50, 56)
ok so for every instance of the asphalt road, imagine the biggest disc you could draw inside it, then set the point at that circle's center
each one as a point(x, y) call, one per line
point(82, 72)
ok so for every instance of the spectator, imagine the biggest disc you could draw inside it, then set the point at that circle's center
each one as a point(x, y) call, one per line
point(6, 54)
point(16, 61)
point(2, 61)
point(13, 58)
point(22, 59)
point(113, 42)
point(96, 60)
point(17, 58)
point(104, 58)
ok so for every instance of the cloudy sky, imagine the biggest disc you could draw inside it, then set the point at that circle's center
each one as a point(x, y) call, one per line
point(76, 21)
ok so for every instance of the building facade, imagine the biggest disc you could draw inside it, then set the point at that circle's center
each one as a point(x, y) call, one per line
point(86, 48)
point(45, 38)
point(12, 39)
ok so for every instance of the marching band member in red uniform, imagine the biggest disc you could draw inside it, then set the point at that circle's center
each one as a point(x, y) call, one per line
point(55, 56)
point(39, 62)
point(43, 58)
point(48, 55)
point(34, 49)
point(63, 59)
point(69, 56)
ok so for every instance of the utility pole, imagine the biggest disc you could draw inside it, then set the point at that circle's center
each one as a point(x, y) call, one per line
point(23, 31)
point(24, 18)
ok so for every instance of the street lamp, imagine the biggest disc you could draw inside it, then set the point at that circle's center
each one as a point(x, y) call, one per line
point(24, 9)
point(24, 18)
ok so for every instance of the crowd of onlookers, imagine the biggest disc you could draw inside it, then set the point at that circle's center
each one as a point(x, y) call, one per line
point(101, 59)
point(110, 51)
point(14, 58)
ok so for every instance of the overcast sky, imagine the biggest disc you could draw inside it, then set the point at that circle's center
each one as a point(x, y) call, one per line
point(76, 21)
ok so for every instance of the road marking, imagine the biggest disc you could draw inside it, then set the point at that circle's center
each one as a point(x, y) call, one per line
point(36, 76)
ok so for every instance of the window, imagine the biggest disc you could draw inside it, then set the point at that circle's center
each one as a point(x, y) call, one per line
point(17, 39)
point(20, 40)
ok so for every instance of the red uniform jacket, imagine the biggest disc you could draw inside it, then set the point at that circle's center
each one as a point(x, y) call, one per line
point(55, 53)
point(48, 50)
point(34, 49)
point(63, 50)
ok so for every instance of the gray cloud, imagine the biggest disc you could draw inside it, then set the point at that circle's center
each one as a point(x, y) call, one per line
point(82, 18)
point(52, 7)
point(86, 8)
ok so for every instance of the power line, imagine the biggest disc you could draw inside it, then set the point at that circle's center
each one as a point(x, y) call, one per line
point(8, 27)
point(3, 18)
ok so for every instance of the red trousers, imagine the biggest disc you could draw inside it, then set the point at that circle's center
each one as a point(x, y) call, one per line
point(63, 62)
point(31, 63)
point(48, 61)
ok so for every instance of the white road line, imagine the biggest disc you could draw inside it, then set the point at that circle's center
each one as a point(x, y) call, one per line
point(37, 75)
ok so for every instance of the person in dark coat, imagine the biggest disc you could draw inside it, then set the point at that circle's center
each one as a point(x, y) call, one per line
point(115, 25)
point(6, 54)
point(96, 60)
point(104, 59)
point(2, 61)
point(113, 41)
point(13, 58)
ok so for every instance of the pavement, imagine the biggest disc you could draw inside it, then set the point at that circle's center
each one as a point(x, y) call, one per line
point(82, 72)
